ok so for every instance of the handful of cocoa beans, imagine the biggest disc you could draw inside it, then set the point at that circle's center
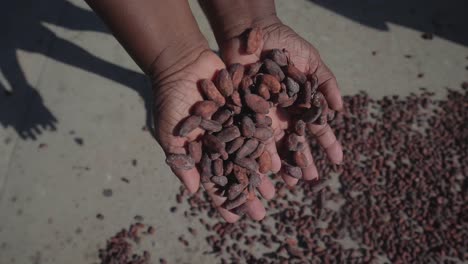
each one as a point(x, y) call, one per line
point(234, 115)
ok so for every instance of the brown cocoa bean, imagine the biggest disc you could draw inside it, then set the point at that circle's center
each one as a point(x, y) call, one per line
point(255, 179)
point(224, 83)
point(279, 57)
point(263, 91)
point(318, 99)
point(292, 142)
point(240, 210)
point(263, 120)
point(229, 122)
point(240, 200)
point(236, 71)
point(248, 147)
point(306, 95)
point(211, 92)
point(312, 114)
point(314, 83)
point(271, 82)
point(263, 133)
point(300, 127)
point(241, 175)
point(296, 74)
point(180, 161)
point(195, 150)
point(205, 109)
point(292, 171)
point(214, 156)
point(254, 68)
point(222, 115)
point(228, 134)
point(234, 108)
point(247, 127)
point(257, 103)
point(274, 69)
point(258, 151)
point(205, 168)
point(235, 190)
point(228, 166)
point(234, 145)
point(247, 163)
point(291, 86)
point(236, 99)
point(188, 125)
point(214, 144)
point(219, 180)
point(301, 159)
point(264, 162)
point(283, 97)
point(218, 167)
point(254, 40)
point(211, 125)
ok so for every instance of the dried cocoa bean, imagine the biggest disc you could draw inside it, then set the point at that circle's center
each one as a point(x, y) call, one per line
point(241, 175)
point(205, 109)
point(257, 103)
point(263, 133)
point(331, 115)
point(279, 57)
point(291, 86)
point(274, 69)
point(264, 162)
point(235, 190)
point(263, 120)
point(213, 143)
point(224, 83)
point(318, 99)
point(306, 96)
point(228, 134)
point(255, 179)
point(240, 200)
point(300, 127)
point(248, 147)
point(211, 92)
point(236, 99)
point(195, 150)
point(314, 83)
point(254, 40)
point(234, 145)
point(222, 115)
point(322, 120)
point(247, 163)
point(254, 68)
point(247, 127)
point(258, 151)
point(301, 159)
point(219, 180)
point(180, 161)
point(236, 71)
point(292, 142)
point(271, 82)
point(229, 122)
point(240, 210)
point(228, 166)
point(263, 91)
point(211, 125)
point(312, 114)
point(234, 108)
point(188, 125)
point(292, 171)
point(218, 167)
point(214, 156)
point(296, 74)
point(205, 168)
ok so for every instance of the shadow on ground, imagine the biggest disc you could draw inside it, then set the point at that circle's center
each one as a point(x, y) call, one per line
point(444, 19)
point(21, 105)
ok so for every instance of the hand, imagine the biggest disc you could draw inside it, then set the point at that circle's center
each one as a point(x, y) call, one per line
point(175, 91)
point(307, 59)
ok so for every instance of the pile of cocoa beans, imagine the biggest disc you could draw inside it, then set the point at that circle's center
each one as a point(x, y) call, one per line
point(234, 115)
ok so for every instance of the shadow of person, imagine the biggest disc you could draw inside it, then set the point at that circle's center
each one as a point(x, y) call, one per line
point(21, 106)
point(444, 19)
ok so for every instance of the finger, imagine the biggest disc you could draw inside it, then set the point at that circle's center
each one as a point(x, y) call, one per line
point(270, 146)
point(218, 201)
point(328, 141)
point(255, 209)
point(310, 172)
point(234, 52)
point(288, 179)
point(266, 188)
point(190, 178)
point(329, 87)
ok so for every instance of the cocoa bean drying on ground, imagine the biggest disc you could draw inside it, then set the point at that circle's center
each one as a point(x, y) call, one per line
point(234, 118)
point(399, 197)
point(120, 249)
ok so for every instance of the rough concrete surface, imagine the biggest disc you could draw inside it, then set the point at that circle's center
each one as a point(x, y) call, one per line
point(74, 122)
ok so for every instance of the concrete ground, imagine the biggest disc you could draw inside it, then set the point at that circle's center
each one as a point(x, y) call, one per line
point(73, 125)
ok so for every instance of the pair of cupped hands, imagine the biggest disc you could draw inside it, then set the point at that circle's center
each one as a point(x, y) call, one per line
point(176, 90)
